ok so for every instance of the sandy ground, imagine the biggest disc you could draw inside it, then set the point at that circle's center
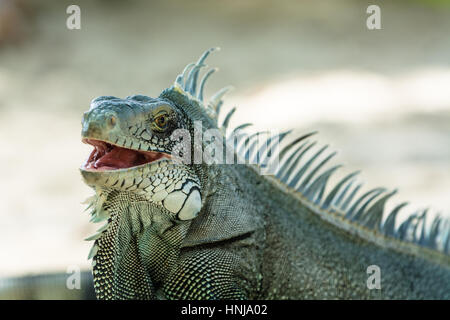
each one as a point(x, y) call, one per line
point(378, 97)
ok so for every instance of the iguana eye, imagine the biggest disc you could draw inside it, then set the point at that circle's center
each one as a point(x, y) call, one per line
point(161, 121)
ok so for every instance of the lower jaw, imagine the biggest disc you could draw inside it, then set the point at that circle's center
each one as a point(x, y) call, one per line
point(111, 169)
point(92, 167)
point(119, 179)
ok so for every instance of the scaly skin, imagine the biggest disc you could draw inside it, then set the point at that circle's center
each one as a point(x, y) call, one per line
point(221, 231)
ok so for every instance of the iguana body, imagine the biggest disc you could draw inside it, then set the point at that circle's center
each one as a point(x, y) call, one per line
point(224, 231)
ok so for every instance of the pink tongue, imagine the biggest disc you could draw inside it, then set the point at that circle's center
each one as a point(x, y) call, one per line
point(118, 158)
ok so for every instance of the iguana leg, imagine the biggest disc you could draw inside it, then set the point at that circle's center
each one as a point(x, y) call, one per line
point(204, 274)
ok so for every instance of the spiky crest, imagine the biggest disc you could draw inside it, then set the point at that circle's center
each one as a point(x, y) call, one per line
point(299, 171)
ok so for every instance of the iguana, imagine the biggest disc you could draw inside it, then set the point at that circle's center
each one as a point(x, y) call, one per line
point(203, 229)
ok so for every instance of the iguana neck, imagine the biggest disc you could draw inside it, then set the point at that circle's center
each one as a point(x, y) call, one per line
point(145, 235)
point(119, 247)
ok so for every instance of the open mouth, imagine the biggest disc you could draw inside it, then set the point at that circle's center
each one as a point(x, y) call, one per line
point(106, 156)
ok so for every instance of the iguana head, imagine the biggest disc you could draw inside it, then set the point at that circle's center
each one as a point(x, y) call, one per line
point(139, 143)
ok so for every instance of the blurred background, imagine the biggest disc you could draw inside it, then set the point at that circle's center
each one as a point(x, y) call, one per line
point(381, 98)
